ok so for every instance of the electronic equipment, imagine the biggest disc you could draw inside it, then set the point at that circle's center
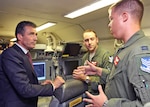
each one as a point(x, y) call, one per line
point(71, 49)
point(42, 69)
point(69, 64)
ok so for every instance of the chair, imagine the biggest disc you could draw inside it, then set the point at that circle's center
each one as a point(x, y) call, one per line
point(70, 94)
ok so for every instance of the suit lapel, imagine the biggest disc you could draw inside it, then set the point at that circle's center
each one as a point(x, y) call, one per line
point(19, 50)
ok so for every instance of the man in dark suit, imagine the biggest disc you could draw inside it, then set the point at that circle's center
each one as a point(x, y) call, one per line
point(19, 86)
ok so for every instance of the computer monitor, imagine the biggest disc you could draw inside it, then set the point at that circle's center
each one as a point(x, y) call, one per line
point(71, 49)
point(40, 69)
point(69, 64)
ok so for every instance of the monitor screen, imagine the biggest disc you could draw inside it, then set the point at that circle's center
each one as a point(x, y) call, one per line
point(69, 64)
point(40, 69)
point(72, 49)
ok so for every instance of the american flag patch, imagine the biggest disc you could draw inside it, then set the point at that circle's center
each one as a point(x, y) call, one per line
point(145, 64)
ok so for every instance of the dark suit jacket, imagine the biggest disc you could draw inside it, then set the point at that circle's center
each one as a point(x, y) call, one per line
point(18, 82)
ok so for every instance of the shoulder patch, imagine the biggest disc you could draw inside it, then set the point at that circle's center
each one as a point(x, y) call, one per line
point(145, 64)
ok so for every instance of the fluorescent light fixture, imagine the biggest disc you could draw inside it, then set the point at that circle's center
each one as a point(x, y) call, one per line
point(13, 39)
point(95, 6)
point(44, 26)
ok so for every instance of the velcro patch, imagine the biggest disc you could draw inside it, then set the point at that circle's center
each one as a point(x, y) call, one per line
point(145, 64)
point(144, 47)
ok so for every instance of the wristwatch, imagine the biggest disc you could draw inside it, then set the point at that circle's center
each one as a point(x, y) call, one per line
point(87, 80)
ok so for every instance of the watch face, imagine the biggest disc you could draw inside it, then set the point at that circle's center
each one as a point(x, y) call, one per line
point(94, 63)
point(87, 79)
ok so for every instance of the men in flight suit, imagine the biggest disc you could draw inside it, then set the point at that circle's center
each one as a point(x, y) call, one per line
point(98, 56)
point(128, 84)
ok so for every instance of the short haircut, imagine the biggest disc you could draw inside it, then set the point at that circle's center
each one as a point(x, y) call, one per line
point(90, 30)
point(134, 7)
point(20, 27)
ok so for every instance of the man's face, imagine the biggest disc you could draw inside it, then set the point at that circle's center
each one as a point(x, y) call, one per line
point(115, 24)
point(90, 41)
point(29, 38)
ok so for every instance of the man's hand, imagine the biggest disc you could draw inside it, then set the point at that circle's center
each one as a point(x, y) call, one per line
point(90, 69)
point(46, 82)
point(58, 82)
point(96, 100)
point(79, 74)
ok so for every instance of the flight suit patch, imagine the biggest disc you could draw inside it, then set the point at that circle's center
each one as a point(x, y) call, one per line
point(110, 59)
point(145, 64)
point(116, 60)
point(144, 47)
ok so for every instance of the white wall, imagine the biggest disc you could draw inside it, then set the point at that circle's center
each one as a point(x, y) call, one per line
point(108, 44)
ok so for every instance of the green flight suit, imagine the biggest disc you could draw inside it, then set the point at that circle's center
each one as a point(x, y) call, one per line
point(101, 58)
point(128, 84)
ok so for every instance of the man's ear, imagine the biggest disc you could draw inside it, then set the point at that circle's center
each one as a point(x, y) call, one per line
point(125, 16)
point(97, 39)
point(83, 42)
point(19, 36)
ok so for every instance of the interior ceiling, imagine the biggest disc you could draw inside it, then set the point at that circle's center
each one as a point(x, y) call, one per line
point(42, 11)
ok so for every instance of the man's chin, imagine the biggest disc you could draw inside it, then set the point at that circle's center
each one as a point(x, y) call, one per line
point(91, 50)
point(32, 47)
